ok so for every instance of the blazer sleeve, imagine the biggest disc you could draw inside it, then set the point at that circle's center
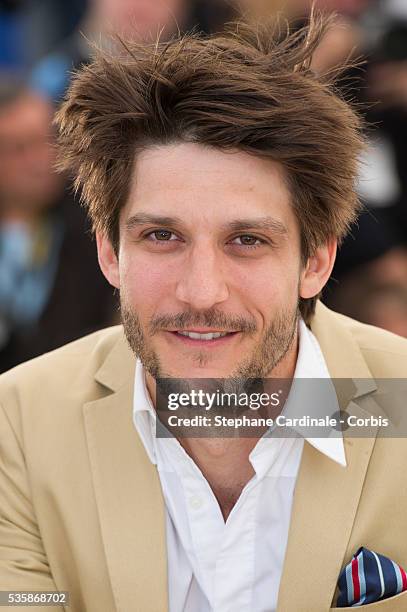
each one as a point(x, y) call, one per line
point(23, 561)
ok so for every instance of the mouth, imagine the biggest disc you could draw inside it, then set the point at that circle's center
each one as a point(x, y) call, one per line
point(202, 338)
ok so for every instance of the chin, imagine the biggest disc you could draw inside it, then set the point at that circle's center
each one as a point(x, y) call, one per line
point(196, 371)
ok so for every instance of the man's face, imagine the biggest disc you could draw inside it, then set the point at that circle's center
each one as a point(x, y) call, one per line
point(27, 156)
point(141, 19)
point(209, 244)
point(346, 7)
point(302, 7)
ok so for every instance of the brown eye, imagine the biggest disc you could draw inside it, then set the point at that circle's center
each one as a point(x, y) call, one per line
point(248, 240)
point(162, 235)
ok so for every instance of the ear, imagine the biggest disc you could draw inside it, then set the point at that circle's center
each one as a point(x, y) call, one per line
point(108, 261)
point(318, 270)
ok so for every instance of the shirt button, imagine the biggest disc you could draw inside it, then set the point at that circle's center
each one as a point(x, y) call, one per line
point(196, 502)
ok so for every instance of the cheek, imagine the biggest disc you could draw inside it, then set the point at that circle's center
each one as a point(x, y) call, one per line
point(146, 284)
point(10, 170)
point(270, 283)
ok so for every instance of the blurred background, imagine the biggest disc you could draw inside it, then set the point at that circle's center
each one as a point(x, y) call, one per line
point(51, 289)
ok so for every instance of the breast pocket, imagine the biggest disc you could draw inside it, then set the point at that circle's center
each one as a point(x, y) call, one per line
point(398, 603)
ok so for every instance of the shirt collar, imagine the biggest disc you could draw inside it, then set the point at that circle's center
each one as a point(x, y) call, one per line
point(144, 415)
point(310, 364)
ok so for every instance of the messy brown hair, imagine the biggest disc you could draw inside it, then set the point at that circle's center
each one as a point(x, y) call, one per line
point(250, 88)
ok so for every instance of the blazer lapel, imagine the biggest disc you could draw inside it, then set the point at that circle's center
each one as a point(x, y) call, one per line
point(127, 490)
point(326, 496)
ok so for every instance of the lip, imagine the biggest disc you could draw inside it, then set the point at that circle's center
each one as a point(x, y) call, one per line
point(192, 342)
point(200, 330)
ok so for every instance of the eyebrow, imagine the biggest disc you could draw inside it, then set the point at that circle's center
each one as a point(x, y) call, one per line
point(146, 219)
point(258, 223)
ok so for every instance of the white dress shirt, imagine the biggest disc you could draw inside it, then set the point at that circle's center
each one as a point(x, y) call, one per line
point(218, 566)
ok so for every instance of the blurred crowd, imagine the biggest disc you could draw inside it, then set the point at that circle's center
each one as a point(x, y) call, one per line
point(51, 289)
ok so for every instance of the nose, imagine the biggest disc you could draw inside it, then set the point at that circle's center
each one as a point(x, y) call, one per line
point(202, 285)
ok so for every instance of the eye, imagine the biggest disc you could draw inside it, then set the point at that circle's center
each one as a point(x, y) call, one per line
point(161, 236)
point(247, 240)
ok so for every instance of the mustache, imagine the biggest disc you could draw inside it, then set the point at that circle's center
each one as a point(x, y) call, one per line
point(210, 318)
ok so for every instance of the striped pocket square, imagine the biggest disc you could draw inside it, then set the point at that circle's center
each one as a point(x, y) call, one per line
point(369, 577)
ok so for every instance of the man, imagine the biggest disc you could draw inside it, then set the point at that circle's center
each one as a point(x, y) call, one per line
point(132, 19)
point(46, 254)
point(219, 174)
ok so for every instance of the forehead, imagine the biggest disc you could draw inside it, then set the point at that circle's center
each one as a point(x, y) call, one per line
point(203, 182)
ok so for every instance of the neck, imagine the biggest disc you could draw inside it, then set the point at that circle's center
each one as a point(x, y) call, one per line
point(224, 462)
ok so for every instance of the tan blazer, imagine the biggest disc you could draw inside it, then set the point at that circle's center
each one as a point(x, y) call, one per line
point(81, 507)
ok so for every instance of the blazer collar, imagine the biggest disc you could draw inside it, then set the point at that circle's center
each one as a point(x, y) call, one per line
point(118, 366)
point(341, 351)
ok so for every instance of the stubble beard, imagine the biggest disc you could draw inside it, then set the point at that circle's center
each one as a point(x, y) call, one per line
point(269, 352)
